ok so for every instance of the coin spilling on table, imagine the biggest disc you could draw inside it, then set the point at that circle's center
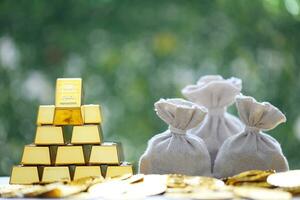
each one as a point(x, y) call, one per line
point(135, 187)
point(177, 186)
point(52, 190)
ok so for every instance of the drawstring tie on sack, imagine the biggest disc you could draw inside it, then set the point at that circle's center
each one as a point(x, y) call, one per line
point(217, 111)
point(177, 130)
point(252, 129)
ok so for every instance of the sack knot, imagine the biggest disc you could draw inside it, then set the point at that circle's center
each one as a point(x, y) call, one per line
point(217, 111)
point(177, 130)
point(252, 129)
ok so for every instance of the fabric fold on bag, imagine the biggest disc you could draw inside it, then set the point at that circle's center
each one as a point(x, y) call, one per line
point(174, 151)
point(215, 93)
point(252, 149)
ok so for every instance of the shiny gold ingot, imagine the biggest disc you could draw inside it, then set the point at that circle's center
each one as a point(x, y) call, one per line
point(107, 153)
point(70, 116)
point(68, 92)
point(68, 155)
point(92, 114)
point(87, 134)
point(45, 115)
point(24, 175)
point(36, 155)
point(114, 171)
point(68, 102)
point(86, 171)
point(55, 173)
point(49, 135)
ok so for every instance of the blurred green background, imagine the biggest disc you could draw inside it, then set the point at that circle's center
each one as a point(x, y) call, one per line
point(131, 53)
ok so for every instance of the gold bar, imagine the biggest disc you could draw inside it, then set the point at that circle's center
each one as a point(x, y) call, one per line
point(68, 99)
point(87, 171)
point(36, 155)
point(92, 114)
point(124, 168)
point(45, 115)
point(107, 153)
point(68, 92)
point(68, 155)
point(87, 134)
point(72, 116)
point(54, 174)
point(24, 175)
point(49, 135)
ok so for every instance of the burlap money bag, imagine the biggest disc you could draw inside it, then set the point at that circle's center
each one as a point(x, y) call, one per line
point(216, 94)
point(174, 151)
point(252, 149)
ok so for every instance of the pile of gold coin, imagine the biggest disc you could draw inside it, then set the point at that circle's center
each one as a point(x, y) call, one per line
point(173, 186)
point(196, 187)
point(247, 185)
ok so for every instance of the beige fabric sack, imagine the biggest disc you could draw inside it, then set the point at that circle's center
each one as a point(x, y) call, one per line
point(252, 149)
point(216, 94)
point(174, 151)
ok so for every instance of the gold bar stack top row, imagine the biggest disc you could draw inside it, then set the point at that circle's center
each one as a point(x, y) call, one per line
point(52, 158)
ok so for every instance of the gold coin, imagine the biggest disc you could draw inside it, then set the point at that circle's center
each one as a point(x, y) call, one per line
point(176, 181)
point(118, 189)
point(187, 189)
point(135, 178)
point(261, 193)
point(39, 190)
point(108, 189)
point(294, 191)
point(63, 191)
point(82, 195)
point(152, 185)
point(178, 195)
point(254, 184)
point(207, 194)
point(60, 190)
point(288, 180)
point(121, 177)
point(249, 176)
point(10, 191)
point(205, 182)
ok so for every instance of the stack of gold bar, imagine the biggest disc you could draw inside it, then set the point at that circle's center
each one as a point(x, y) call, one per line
point(54, 158)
